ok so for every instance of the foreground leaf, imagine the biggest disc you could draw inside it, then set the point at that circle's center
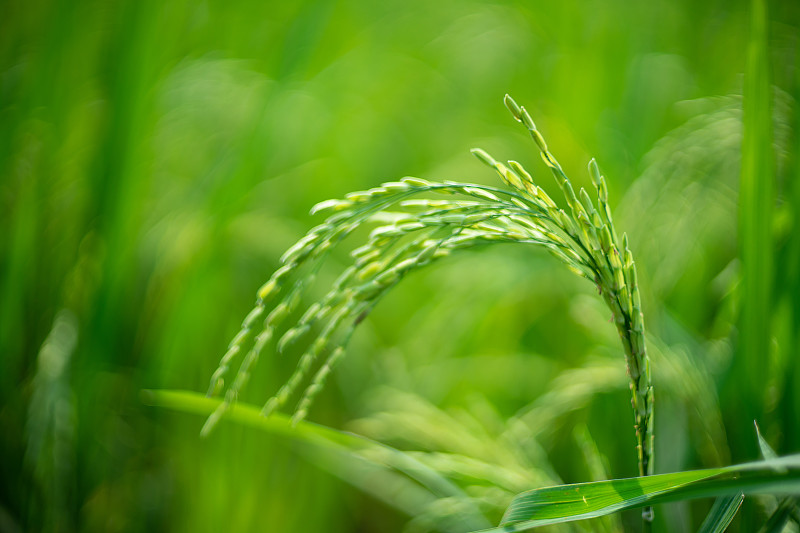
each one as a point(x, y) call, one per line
point(566, 503)
point(721, 514)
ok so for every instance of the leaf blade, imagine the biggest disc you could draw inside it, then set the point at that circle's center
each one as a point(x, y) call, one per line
point(721, 514)
point(566, 503)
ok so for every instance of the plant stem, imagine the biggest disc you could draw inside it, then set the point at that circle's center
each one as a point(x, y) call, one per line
point(615, 277)
point(631, 332)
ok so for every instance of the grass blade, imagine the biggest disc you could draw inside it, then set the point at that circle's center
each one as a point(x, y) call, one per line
point(786, 506)
point(351, 457)
point(778, 519)
point(766, 450)
point(721, 514)
point(566, 503)
point(756, 194)
point(790, 278)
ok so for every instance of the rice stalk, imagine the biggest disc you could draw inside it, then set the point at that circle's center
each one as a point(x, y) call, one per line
point(416, 232)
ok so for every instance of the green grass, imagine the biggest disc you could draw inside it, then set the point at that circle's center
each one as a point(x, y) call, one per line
point(416, 233)
point(532, 509)
point(420, 231)
point(156, 160)
point(756, 242)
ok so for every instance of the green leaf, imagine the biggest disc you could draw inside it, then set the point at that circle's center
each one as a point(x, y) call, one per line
point(721, 514)
point(369, 465)
point(566, 503)
point(756, 210)
point(766, 450)
point(786, 506)
point(305, 432)
point(777, 521)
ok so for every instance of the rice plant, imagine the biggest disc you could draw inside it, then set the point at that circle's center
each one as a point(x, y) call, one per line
point(414, 232)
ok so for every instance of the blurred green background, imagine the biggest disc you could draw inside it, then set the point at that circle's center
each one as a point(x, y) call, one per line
point(156, 158)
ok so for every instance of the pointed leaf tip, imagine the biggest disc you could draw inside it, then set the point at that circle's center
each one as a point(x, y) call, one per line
point(767, 452)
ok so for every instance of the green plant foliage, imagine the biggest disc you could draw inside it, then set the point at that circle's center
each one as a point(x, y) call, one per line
point(565, 503)
point(583, 237)
point(367, 464)
point(755, 217)
point(532, 509)
point(721, 514)
point(157, 159)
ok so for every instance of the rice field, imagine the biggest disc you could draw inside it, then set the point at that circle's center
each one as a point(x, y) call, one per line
point(160, 161)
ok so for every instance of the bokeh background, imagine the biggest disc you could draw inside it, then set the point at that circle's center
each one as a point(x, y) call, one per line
point(156, 158)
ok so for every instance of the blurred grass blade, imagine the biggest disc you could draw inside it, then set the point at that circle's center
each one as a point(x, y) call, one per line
point(358, 460)
point(319, 436)
point(786, 506)
point(778, 519)
point(766, 450)
point(756, 194)
point(792, 266)
point(721, 514)
point(566, 503)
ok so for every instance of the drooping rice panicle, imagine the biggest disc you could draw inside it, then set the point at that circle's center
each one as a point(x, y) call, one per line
point(410, 233)
point(364, 302)
point(352, 211)
point(347, 304)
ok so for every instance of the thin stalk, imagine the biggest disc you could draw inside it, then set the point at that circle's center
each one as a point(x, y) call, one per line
point(756, 194)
